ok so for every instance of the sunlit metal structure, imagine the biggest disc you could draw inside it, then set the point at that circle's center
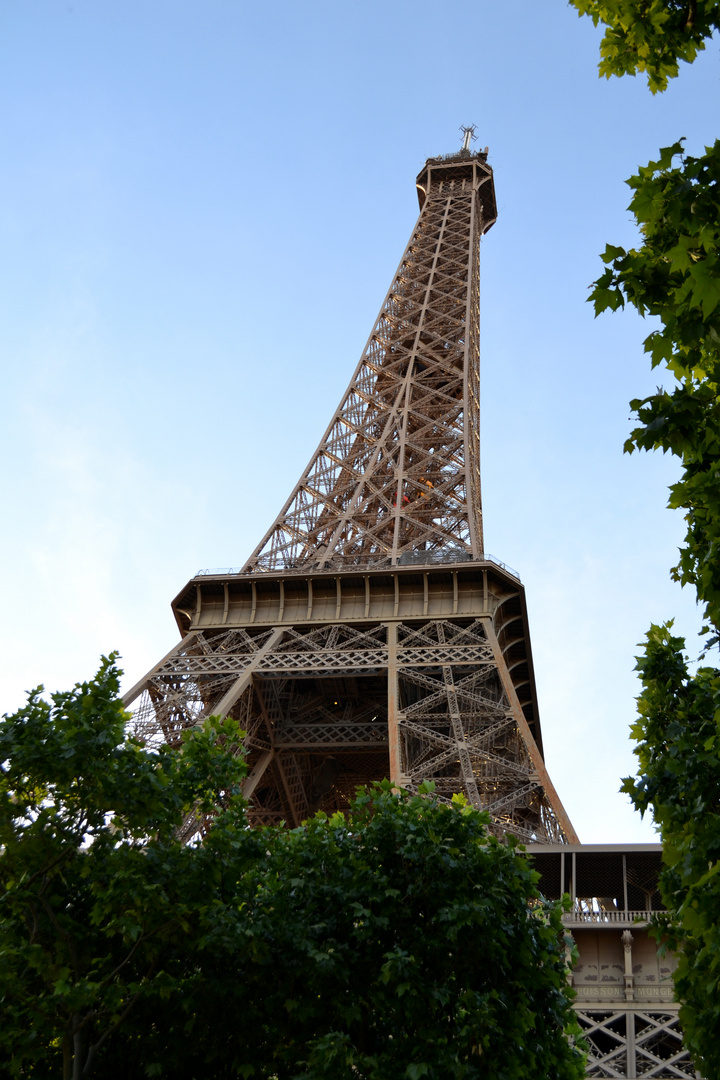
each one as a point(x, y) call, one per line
point(625, 1000)
point(369, 635)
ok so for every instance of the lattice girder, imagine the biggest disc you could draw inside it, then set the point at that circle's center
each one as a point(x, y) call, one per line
point(635, 1043)
point(316, 703)
point(398, 468)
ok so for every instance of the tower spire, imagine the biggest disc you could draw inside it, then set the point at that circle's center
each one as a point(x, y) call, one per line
point(396, 476)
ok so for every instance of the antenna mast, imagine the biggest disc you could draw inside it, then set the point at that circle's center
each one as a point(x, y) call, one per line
point(468, 135)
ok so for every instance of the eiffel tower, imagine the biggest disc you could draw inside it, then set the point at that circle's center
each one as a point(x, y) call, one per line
point(369, 635)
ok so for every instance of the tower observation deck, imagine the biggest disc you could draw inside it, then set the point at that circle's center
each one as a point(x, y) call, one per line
point(369, 635)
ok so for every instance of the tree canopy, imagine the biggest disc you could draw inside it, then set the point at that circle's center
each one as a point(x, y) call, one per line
point(650, 36)
point(679, 764)
point(399, 940)
point(673, 274)
point(98, 895)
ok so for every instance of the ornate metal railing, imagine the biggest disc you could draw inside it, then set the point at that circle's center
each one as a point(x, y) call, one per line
point(458, 155)
point(614, 917)
point(423, 559)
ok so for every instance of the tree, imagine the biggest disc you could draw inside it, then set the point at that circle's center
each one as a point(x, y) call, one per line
point(674, 274)
point(399, 940)
point(98, 894)
point(679, 757)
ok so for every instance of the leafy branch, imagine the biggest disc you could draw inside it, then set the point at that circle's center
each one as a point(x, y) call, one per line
point(650, 36)
point(675, 276)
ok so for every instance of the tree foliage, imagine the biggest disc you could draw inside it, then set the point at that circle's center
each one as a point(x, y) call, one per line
point(650, 36)
point(398, 940)
point(97, 894)
point(674, 275)
point(678, 747)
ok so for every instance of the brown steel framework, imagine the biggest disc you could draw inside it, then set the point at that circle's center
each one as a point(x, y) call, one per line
point(396, 476)
point(624, 994)
point(369, 635)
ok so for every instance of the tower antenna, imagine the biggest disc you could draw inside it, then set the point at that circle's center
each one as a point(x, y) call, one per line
point(468, 135)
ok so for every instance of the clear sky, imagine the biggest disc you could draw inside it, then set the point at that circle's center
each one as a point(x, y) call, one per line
point(202, 203)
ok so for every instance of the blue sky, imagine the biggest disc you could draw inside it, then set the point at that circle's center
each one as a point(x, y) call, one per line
point(201, 208)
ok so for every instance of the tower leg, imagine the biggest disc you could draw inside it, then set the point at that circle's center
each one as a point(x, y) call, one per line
point(396, 774)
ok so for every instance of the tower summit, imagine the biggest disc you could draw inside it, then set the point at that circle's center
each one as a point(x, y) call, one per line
point(369, 635)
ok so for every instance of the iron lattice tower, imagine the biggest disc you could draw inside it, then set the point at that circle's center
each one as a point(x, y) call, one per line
point(368, 635)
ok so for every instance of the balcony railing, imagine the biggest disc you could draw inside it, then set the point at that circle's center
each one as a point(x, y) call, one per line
point(418, 559)
point(612, 917)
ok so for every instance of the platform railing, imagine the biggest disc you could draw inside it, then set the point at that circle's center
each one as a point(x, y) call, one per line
point(613, 916)
point(419, 559)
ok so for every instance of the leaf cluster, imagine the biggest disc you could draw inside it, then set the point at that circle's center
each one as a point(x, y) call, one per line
point(96, 890)
point(398, 940)
point(675, 275)
point(650, 36)
point(678, 747)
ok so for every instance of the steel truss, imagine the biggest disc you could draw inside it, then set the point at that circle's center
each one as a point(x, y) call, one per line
point(326, 708)
point(397, 472)
point(635, 1043)
point(328, 702)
